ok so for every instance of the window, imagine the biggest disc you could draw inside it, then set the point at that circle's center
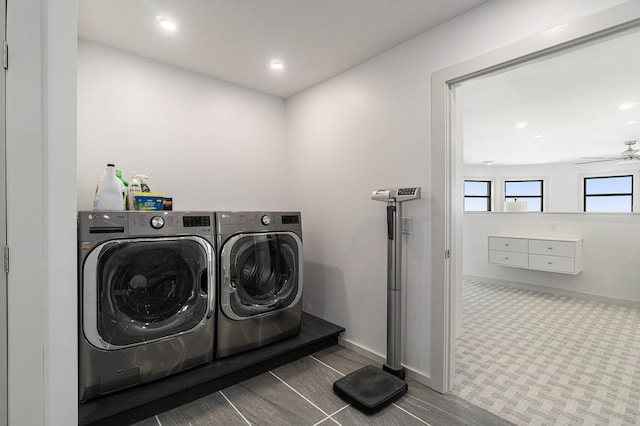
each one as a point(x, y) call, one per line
point(608, 194)
point(477, 196)
point(525, 190)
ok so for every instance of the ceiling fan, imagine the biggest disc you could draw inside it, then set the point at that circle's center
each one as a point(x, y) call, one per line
point(628, 154)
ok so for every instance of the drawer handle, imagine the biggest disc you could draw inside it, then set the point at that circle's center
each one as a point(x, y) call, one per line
point(550, 248)
point(506, 258)
point(550, 263)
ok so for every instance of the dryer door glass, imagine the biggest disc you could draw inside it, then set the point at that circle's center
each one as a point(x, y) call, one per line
point(150, 289)
point(265, 273)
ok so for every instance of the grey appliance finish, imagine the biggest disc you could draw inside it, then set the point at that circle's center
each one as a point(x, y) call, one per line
point(260, 281)
point(146, 296)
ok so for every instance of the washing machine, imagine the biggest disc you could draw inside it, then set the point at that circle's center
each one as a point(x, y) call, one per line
point(146, 296)
point(260, 280)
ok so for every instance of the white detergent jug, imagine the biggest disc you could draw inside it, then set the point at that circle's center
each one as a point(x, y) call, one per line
point(134, 186)
point(109, 191)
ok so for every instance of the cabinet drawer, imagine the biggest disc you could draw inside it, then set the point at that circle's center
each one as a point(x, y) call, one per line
point(518, 245)
point(507, 258)
point(553, 248)
point(552, 263)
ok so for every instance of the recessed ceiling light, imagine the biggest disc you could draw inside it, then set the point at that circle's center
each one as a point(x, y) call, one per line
point(521, 125)
point(632, 122)
point(625, 106)
point(165, 23)
point(275, 64)
point(539, 136)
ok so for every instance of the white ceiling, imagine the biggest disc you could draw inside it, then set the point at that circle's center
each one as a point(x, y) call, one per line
point(234, 40)
point(570, 99)
point(570, 102)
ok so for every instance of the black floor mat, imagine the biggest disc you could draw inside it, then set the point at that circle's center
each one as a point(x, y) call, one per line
point(370, 389)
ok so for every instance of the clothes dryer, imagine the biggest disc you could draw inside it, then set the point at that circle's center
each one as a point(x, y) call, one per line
point(260, 282)
point(146, 296)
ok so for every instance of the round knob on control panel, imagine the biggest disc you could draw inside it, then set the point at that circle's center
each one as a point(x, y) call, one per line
point(266, 220)
point(157, 222)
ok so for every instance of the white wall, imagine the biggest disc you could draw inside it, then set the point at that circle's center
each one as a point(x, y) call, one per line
point(209, 144)
point(563, 182)
point(370, 128)
point(610, 250)
point(41, 133)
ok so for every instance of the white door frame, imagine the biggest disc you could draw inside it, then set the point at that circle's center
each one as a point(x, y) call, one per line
point(446, 242)
point(4, 386)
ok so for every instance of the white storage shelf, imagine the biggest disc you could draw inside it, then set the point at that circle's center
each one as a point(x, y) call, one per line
point(560, 255)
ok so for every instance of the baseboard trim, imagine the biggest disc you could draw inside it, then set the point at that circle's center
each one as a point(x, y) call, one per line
point(555, 291)
point(380, 359)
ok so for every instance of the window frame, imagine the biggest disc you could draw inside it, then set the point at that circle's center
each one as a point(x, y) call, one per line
point(525, 197)
point(584, 191)
point(489, 196)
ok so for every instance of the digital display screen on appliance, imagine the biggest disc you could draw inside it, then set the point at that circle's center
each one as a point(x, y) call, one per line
point(196, 221)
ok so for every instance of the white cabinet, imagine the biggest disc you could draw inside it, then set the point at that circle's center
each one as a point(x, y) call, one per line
point(561, 255)
point(517, 245)
point(564, 265)
point(553, 247)
point(507, 258)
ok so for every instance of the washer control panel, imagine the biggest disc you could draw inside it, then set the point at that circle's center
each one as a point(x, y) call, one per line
point(170, 222)
point(102, 225)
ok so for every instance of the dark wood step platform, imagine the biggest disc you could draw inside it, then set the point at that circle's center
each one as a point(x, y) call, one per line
point(135, 404)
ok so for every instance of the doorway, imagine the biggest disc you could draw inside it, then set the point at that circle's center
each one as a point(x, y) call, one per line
point(446, 169)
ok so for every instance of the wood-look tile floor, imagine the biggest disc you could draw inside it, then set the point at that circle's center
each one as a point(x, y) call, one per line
point(301, 393)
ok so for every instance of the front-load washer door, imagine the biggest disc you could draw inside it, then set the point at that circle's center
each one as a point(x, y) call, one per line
point(141, 290)
point(261, 273)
